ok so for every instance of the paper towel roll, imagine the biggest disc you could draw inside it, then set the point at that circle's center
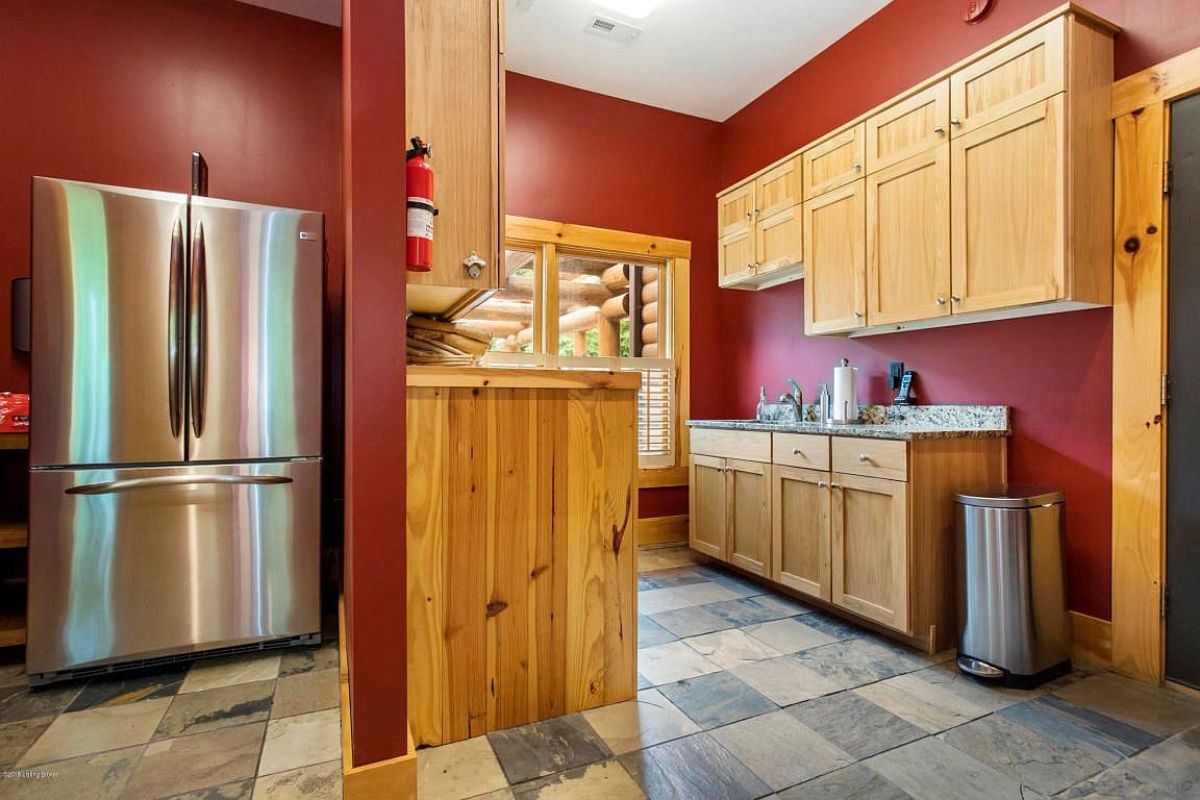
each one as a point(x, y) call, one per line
point(845, 399)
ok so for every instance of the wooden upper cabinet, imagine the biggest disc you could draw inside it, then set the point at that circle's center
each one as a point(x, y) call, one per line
point(1019, 74)
point(778, 239)
point(913, 125)
point(908, 239)
point(735, 257)
point(834, 162)
point(869, 574)
point(735, 210)
point(800, 532)
point(778, 188)
point(1008, 210)
point(453, 71)
point(748, 499)
point(835, 261)
point(707, 519)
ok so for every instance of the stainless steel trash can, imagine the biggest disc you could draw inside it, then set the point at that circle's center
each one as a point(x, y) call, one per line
point(1011, 587)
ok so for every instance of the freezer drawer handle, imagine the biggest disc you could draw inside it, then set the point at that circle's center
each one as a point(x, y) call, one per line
point(128, 485)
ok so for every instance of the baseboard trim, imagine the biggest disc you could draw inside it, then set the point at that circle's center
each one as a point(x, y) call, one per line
point(1093, 639)
point(391, 779)
point(662, 530)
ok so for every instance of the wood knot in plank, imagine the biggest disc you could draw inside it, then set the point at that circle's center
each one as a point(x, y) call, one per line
point(495, 607)
point(618, 534)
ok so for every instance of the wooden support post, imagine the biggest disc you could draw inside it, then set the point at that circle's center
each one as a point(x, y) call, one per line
point(610, 336)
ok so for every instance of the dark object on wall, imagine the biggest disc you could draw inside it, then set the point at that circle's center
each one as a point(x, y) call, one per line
point(977, 10)
point(20, 315)
point(895, 373)
point(199, 174)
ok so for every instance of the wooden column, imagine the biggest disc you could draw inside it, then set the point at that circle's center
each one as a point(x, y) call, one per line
point(373, 199)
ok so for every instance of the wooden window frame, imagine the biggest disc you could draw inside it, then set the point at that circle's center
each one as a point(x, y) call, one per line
point(673, 256)
point(1141, 110)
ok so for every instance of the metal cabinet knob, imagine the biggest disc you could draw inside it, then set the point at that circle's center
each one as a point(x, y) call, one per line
point(796, 451)
point(857, 167)
point(939, 130)
point(955, 298)
point(863, 457)
point(474, 265)
point(955, 121)
point(941, 301)
point(858, 314)
point(835, 486)
point(822, 484)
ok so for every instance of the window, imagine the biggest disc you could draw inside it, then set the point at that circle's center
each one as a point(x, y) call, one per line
point(594, 298)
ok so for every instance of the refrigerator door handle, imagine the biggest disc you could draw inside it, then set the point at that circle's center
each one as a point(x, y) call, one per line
point(176, 300)
point(129, 484)
point(198, 331)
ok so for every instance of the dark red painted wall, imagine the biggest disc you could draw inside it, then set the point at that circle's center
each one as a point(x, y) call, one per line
point(576, 156)
point(1056, 371)
point(123, 92)
point(373, 148)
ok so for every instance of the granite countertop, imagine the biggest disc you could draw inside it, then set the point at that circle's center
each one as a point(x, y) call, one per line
point(887, 422)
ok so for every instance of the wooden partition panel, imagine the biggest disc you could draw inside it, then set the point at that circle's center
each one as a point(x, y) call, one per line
point(522, 568)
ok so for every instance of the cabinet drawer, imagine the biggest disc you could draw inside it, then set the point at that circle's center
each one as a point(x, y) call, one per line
point(744, 445)
point(805, 450)
point(877, 458)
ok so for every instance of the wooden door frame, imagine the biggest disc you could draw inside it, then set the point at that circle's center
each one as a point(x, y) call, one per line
point(1141, 110)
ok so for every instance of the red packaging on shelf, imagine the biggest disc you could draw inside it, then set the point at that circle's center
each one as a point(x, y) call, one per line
point(14, 413)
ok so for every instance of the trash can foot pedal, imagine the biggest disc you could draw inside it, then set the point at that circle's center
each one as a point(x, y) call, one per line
point(980, 669)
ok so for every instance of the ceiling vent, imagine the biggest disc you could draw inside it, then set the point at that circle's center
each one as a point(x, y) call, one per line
point(611, 29)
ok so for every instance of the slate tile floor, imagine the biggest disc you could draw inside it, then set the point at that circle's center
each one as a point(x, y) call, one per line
point(742, 694)
point(745, 694)
point(262, 726)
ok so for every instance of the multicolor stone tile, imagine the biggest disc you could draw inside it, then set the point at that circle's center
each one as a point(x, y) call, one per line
point(855, 724)
point(197, 712)
point(546, 747)
point(717, 699)
point(690, 768)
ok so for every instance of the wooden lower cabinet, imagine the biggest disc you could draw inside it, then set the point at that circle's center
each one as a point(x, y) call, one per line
point(870, 548)
point(800, 530)
point(748, 501)
point(707, 518)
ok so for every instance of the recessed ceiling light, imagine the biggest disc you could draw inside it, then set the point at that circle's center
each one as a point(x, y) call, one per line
point(634, 9)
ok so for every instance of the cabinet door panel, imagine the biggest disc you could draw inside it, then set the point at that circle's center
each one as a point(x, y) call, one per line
point(735, 210)
point(835, 261)
point(908, 239)
point(912, 126)
point(778, 240)
point(452, 63)
point(834, 162)
point(748, 495)
point(708, 519)
point(800, 530)
point(1008, 210)
point(778, 188)
point(1017, 75)
point(735, 257)
point(870, 548)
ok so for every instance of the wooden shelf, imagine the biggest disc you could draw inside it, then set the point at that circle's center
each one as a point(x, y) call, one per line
point(12, 629)
point(14, 441)
point(13, 534)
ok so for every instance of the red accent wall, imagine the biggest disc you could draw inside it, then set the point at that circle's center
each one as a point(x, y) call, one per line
point(580, 157)
point(375, 546)
point(123, 92)
point(1056, 371)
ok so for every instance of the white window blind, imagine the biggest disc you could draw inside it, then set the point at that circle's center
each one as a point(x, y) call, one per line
point(656, 399)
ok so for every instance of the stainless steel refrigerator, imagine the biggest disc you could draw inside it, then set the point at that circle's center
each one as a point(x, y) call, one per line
point(175, 445)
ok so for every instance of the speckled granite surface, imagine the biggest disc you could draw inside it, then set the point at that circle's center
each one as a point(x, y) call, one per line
point(889, 422)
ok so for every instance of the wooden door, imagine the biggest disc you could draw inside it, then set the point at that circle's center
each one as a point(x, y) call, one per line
point(870, 548)
point(914, 125)
point(778, 188)
point(735, 256)
point(800, 530)
point(835, 261)
point(1017, 75)
point(908, 239)
point(735, 210)
point(708, 519)
point(748, 498)
point(778, 240)
point(452, 63)
point(1007, 210)
point(834, 162)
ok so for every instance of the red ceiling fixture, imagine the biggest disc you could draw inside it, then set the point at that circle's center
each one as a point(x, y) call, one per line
point(977, 10)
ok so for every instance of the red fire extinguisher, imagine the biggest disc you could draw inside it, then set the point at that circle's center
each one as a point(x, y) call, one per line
point(419, 177)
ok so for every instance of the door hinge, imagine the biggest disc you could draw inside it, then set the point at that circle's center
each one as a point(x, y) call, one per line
point(1165, 390)
point(1164, 600)
point(1168, 177)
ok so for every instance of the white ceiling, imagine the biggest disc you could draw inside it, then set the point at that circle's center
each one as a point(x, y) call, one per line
point(327, 11)
point(708, 58)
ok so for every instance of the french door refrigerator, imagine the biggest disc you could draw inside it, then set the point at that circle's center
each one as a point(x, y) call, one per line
point(175, 427)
